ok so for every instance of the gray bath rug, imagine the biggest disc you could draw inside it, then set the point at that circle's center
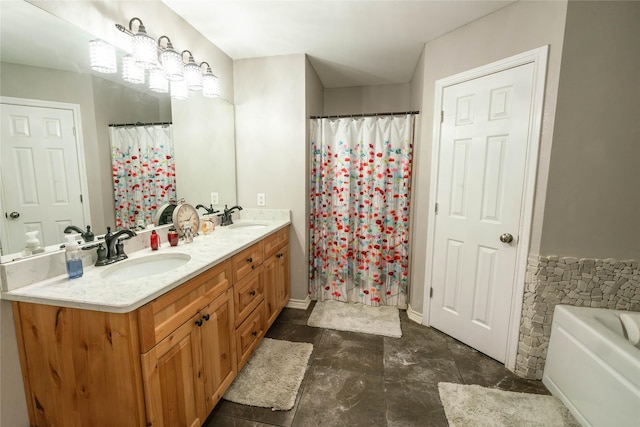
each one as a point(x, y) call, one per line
point(272, 376)
point(476, 406)
point(362, 318)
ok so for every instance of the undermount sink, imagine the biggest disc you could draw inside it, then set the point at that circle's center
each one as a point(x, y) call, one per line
point(248, 225)
point(144, 266)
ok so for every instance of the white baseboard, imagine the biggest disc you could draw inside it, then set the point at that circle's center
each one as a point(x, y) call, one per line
point(300, 304)
point(414, 315)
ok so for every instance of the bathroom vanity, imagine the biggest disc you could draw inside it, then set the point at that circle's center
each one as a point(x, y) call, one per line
point(158, 351)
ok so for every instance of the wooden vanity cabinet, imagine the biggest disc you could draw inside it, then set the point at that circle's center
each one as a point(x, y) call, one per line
point(167, 363)
point(275, 273)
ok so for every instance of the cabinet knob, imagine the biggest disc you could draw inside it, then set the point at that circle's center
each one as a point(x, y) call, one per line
point(199, 322)
point(252, 293)
point(249, 259)
point(206, 317)
point(254, 333)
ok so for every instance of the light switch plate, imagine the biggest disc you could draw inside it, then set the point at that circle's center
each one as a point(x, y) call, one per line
point(261, 199)
point(214, 198)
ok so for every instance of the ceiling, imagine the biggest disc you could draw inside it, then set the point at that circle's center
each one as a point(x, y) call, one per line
point(349, 43)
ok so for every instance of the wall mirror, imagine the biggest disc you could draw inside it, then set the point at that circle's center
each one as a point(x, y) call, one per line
point(45, 58)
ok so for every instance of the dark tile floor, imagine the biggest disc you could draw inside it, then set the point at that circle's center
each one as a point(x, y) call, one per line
point(367, 380)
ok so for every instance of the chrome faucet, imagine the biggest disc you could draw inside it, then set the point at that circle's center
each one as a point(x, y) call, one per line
point(209, 209)
point(226, 215)
point(87, 236)
point(115, 248)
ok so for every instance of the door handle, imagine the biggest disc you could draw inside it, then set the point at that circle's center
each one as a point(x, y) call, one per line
point(506, 238)
point(13, 215)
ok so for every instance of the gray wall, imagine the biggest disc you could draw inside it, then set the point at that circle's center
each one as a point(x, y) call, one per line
point(367, 99)
point(271, 122)
point(593, 197)
point(517, 28)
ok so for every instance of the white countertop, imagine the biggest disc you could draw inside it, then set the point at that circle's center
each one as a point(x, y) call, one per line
point(92, 292)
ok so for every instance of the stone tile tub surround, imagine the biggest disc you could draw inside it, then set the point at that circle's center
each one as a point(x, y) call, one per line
point(584, 282)
point(42, 267)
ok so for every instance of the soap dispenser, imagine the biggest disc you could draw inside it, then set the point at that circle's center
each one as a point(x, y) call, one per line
point(72, 256)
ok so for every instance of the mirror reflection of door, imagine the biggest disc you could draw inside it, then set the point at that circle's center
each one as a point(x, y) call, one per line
point(41, 174)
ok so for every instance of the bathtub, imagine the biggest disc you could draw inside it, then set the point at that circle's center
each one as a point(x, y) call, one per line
point(592, 367)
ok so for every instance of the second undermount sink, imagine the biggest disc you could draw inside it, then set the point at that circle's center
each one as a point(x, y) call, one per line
point(135, 268)
point(248, 225)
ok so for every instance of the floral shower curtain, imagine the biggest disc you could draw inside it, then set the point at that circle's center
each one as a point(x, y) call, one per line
point(143, 171)
point(359, 209)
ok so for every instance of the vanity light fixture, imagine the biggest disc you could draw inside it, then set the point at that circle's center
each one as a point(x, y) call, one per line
point(192, 73)
point(102, 57)
point(143, 46)
point(172, 65)
point(210, 83)
point(130, 71)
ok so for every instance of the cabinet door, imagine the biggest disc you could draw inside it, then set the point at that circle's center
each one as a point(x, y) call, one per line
point(172, 378)
point(249, 335)
point(283, 277)
point(218, 348)
point(270, 283)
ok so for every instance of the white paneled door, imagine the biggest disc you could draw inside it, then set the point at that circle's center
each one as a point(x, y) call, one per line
point(40, 174)
point(481, 172)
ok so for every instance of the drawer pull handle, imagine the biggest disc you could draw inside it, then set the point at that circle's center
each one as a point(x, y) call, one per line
point(254, 333)
point(252, 293)
point(206, 317)
point(199, 322)
point(249, 259)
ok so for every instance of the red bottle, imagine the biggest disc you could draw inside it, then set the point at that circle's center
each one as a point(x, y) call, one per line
point(155, 241)
point(172, 235)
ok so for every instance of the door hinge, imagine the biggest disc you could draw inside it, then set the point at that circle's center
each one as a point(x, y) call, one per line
point(431, 292)
point(441, 116)
point(81, 198)
point(436, 209)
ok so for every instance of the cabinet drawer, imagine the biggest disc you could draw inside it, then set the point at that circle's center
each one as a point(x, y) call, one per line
point(248, 293)
point(249, 335)
point(165, 314)
point(246, 261)
point(275, 241)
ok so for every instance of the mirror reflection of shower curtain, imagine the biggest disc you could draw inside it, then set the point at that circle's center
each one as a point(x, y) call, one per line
point(359, 209)
point(143, 171)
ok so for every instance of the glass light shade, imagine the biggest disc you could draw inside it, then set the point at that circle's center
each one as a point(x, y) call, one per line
point(144, 50)
point(179, 89)
point(172, 65)
point(130, 71)
point(157, 81)
point(102, 57)
point(210, 85)
point(193, 75)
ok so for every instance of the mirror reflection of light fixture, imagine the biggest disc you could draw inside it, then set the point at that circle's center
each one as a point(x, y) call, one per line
point(130, 71)
point(102, 57)
point(210, 83)
point(172, 65)
point(192, 73)
point(179, 90)
point(157, 82)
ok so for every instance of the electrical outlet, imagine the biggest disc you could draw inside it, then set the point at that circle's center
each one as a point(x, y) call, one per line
point(214, 198)
point(261, 199)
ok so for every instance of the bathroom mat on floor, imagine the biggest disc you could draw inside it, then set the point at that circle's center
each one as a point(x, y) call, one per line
point(342, 316)
point(272, 376)
point(473, 405)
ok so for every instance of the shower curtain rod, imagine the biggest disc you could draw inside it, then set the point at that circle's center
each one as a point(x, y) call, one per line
point(341, 116)
point(119, 125)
